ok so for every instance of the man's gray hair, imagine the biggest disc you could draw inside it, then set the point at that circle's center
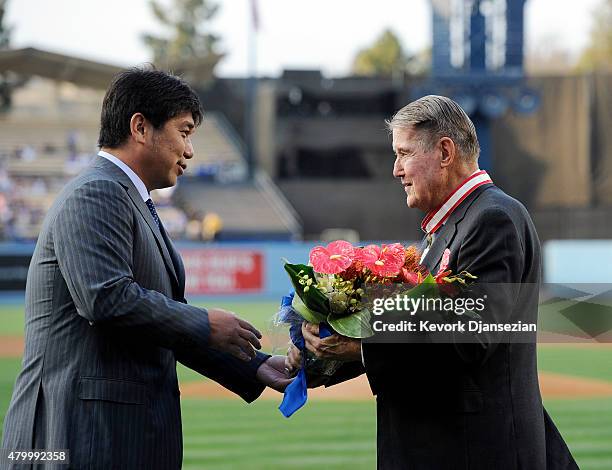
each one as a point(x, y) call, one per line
point(436, 117)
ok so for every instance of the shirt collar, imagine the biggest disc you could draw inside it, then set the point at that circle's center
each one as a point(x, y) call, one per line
point(140, 186)
point(436, 218)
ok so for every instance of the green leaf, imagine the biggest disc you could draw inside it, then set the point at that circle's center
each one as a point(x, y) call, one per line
point(356, 325)
point(307, 314)
point(428, 288)
point(314, 299)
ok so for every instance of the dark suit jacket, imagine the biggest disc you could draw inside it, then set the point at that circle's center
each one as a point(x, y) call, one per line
point(467, 406)
point(106, 320)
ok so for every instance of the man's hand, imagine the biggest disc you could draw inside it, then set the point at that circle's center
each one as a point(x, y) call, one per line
point(293, 364)
point(272, 373)
point(293, 361)
point(232, 335)
point(336, 347)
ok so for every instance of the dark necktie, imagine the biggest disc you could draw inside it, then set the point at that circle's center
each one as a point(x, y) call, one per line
point(151, 207)
point(171, 250)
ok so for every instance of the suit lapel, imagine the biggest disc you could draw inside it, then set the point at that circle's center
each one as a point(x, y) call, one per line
point(161, 243)
point(177, 262)
point(443, 239)
point(118, 174)
point(446, 234)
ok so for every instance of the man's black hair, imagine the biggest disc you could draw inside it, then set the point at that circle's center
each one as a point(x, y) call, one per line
point(157, 95)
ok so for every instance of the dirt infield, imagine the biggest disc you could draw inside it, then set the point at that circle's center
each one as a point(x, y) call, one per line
point(567, 386)
point(552, 385)
point(354, 390)
point(11, 346)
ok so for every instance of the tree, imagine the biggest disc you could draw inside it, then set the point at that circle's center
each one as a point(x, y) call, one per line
point(598, 54)
point(5, 31)
point(189, 45)
point(549, 56)
point(9, 81)
point(384, 58)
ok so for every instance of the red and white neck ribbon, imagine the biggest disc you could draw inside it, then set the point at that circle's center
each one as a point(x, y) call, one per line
point(436, 218)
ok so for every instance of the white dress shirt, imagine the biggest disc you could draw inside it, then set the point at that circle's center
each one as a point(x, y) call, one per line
point(140, 186)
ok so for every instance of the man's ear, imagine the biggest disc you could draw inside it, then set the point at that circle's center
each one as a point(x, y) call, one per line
point(138, 127)
point(448, 150)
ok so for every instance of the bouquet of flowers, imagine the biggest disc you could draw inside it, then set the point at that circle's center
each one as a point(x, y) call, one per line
point(331, 289)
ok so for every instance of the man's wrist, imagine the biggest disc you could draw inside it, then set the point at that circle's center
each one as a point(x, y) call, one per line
point(259, 359)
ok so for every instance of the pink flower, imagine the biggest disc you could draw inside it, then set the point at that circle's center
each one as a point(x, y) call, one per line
point(333, 259)
point(383, 261)
point(411, 277)
point(443, 271)
point(445, 261)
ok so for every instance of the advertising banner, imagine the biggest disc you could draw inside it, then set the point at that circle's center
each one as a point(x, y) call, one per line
point(223, 271)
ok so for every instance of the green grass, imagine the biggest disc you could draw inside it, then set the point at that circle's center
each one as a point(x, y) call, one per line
point(593, 362)
point(586, 426)
point(11, 320)
point(228, 434)
point(258, 313)
point(225, 434)
point(9, 368)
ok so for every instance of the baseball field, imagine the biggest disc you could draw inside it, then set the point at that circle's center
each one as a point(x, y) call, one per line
point(336, 429)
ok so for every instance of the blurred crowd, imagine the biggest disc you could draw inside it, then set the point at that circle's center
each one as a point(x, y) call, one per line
point(185, 225)
point(31, 178)
point(23, 203)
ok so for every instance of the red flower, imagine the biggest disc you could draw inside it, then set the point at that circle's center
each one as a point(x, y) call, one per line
point(383, 261)
point(412, 258)
point(443, 271)
point(333, 259)
point(354, 271)
point(445, 261)
point(441, 275)
point(409, 277)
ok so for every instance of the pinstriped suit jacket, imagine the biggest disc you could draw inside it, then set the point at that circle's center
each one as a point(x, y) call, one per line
point(106, 320)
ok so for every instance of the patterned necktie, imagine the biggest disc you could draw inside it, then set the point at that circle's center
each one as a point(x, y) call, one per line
point(151, 207)
point(430, 238)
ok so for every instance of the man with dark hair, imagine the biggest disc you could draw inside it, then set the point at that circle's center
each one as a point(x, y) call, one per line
point(449, 405)
point(106, 316)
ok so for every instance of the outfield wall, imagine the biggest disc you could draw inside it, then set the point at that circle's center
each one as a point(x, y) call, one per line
point(256, 269)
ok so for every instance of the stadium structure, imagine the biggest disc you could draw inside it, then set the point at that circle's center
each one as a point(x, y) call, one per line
point(321, 151)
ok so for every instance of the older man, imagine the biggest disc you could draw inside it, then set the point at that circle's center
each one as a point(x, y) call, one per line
point(458, 406)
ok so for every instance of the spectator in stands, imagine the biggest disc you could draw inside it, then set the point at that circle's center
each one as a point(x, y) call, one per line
point(5, 180)
point(211, 226)
point(28, 153)
point(5, 216)
point(71, 144)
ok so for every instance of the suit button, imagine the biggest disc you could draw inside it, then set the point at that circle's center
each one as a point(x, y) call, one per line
point(90, 323)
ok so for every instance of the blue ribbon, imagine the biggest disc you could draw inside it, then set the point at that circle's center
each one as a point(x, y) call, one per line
point(296, 393)
point(287, 300)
